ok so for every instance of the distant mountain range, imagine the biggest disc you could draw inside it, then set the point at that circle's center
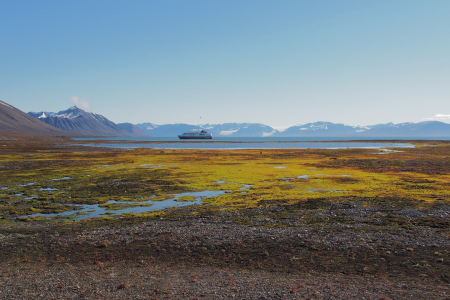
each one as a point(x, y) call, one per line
point(323, 129)
point(429, 129)
point(224, 130)
point(77, 122)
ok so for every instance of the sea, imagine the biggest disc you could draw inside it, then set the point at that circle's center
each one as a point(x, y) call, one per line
point(236, 143)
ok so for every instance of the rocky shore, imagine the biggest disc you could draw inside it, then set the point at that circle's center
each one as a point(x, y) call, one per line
point(215, 258)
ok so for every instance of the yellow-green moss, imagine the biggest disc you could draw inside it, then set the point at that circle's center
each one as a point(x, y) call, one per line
point(417, 177)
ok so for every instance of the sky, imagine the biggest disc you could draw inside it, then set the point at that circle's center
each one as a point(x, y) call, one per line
point(276, 62)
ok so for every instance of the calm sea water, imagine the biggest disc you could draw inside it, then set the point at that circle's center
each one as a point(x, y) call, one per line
point(254, 139)
point(223, 143)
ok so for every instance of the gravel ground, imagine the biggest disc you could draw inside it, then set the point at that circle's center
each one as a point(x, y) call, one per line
point(156, 281)
point(213, 258)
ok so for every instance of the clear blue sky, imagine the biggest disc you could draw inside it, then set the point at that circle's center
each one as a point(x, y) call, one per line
point(274, 62)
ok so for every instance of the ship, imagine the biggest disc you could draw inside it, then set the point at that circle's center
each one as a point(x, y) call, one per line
point(196, 134)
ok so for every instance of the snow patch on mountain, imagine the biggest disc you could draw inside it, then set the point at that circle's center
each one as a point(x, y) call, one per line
point(228, 132)
point(266, 134)
point(281, 129)
point(72, 113)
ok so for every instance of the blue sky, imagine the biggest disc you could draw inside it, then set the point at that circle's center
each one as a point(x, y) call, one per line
point(276, 62)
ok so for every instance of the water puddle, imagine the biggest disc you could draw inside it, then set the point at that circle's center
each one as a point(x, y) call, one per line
point(112, 207)
point(151, 166)
point(63, 178)
point(27, 184)
point(246, 186)
point(280, 167)
point(298, 177)
point(328, 175)
point(388, 151)
point(326, 191)
point(49, 189)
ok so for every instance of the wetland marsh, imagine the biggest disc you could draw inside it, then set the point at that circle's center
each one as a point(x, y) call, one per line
point(378, 218)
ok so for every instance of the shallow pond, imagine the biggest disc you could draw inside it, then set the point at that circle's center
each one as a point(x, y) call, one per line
point(87, 211)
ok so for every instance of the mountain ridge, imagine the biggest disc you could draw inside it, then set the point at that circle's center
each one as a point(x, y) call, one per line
point(78, 120)
point(16, 124)
point(317, 129)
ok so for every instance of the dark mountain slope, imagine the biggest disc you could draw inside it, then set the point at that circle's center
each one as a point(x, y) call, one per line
point(14, 122)
point(133, 129)
point(78, 120)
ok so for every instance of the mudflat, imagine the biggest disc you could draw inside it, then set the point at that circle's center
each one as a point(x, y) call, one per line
point(311, 224)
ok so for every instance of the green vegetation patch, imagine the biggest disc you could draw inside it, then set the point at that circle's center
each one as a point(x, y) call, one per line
point(186, 199)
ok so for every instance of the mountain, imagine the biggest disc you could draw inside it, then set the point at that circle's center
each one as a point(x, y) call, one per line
point(218, 130)
point(428, 129)
point(240, 129)
point(78, 120)
point(15, 123)
point(322, 129)
point(133, 129)
point(168, 130)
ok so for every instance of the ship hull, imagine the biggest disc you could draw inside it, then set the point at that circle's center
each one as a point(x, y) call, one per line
point(206, 137)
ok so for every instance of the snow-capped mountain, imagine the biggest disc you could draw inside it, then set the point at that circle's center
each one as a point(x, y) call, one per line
point(240, 129)
point(218, 130)
point(78, 120)
point(317, 129)
point(428, 129)
point(166, 130)
point(322, 129)
point(14, 123)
